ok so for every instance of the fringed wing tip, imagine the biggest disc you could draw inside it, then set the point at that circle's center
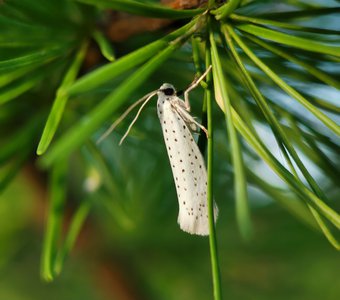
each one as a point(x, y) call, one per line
point(203, 231)
point(196, 226)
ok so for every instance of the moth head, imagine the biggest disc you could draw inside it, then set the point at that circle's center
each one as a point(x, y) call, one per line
point(166, 89)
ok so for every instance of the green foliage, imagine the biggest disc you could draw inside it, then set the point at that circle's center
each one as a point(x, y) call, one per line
point(142, 9)
point(52, 106)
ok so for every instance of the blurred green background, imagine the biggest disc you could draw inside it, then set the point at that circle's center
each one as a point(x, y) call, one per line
point(137, 251)
point(155, 260)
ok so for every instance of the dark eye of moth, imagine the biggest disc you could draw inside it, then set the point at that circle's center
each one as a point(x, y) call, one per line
point(169, 91)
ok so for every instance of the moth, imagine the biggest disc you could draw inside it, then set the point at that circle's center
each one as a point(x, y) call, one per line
point(186, 160)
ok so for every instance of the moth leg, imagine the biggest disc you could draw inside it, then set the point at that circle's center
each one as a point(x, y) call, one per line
point(187, 118)
point(193, 85)
point(202, 127)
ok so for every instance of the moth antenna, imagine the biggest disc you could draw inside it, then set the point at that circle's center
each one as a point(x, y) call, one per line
point(150, 95)
point(123, 116)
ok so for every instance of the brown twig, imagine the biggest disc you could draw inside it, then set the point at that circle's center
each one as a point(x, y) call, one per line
point(122, 26)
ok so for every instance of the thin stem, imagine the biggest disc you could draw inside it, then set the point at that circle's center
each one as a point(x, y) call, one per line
point(54, 219)
point(212, 233)
point(284, 86)
point(240, 183)
point(73, 232)
point(196, 55)
point(261, 102)
point(224, 11)
point(60, 101)
point(104, 45)
point(322, 76)
point(265, 22)
point(291, 40)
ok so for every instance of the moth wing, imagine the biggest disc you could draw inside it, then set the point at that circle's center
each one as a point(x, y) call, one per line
point(188, 170)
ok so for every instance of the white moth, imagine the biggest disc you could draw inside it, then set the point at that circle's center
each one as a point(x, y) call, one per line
point(186, 160)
